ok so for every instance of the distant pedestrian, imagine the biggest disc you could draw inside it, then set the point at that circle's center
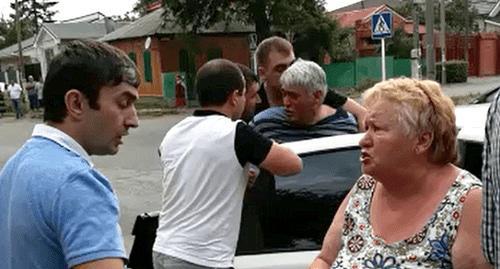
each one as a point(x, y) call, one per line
point(32, 93)
point(57, 210)
point(2, 104)
point(15, 91)
point(39, 91)
point(180, 92)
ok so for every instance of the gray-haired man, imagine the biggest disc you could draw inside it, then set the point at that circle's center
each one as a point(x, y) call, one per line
point(303, 115)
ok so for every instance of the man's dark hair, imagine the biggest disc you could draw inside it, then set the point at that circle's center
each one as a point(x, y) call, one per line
point(86, 66)
point(248, 74)
point(216, 80)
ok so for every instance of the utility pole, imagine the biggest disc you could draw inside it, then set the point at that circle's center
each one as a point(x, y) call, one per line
point(429, 39)
point(415, 53)
point(466, 45)
point(20, 63)
point(416, 24)
point(442, 40)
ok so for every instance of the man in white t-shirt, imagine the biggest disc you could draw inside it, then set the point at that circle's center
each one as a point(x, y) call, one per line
point(205, 160)
point(15, 91)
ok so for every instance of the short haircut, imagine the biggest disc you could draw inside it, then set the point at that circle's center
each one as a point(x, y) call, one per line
point(421, 107)
point(274, 43)
point(86, 66)
point(306, 75)
point(216, 80)
point(248, 74)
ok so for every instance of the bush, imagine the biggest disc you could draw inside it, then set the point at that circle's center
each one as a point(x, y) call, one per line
point(366, 84)
point(456, 71)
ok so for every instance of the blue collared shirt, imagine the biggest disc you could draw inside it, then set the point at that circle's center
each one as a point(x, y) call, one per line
point(61, 138)
point(56, 210)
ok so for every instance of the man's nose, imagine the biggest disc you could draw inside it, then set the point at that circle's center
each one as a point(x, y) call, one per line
point(286, 101)
point(132, 120)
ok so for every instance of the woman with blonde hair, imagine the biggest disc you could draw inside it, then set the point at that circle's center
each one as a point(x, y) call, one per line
point(412, 207)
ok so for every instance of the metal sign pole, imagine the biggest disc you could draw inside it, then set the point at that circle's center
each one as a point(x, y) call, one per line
point(383, 59)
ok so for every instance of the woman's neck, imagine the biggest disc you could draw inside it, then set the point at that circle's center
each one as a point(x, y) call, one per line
point(416, 181)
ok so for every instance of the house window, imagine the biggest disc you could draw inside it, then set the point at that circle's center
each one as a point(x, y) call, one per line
point(214, 53)
point(148, 75)
point(132, 57)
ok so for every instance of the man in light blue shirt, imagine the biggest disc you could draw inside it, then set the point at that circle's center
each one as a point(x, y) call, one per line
point(56, 209)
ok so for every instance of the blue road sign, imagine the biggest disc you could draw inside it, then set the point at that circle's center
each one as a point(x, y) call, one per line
point(382, 25)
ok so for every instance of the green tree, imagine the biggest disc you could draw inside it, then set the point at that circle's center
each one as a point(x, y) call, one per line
point(141, 7)
point(33, 14)
point(264, 14)
point(8, 34)
point(456, 21)
point(302, 21)
point(400, 44)
point(454, 12)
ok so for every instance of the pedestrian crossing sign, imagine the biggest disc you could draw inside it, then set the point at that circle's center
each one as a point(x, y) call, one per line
point(382, 25)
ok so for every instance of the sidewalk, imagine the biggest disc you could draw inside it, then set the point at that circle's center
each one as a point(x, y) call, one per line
point(474, 85)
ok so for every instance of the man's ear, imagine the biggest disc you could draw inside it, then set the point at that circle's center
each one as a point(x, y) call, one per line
point(318, 97)
point(424, 142)
point(262, 72)
point(232, 98)
point(76, 103)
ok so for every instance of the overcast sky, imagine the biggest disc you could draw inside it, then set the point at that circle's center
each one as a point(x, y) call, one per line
point(74, 8)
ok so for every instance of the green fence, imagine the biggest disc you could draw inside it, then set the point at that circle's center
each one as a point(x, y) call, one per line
point(350, 74)
point(340, 74)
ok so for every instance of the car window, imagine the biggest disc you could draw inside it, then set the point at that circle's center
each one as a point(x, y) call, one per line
point(471, 156)
point(294, 213)
point(491, 96)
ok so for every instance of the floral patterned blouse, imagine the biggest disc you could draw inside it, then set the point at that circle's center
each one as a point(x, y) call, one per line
point(429, 248)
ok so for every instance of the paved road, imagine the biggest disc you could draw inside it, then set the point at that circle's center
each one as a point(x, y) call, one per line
point(134, 172)
point(474, 85)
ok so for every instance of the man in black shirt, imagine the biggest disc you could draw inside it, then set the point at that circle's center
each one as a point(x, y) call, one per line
point(274, 55)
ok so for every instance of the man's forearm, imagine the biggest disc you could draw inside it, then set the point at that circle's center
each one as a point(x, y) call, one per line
point(357, 110)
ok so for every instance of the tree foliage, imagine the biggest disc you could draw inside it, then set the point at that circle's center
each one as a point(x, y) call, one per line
point(302, 21)
point(400, 45)
point(454, 15)
point(140, 7)
point(8, 33)
point(33, 14)
point(266, 15)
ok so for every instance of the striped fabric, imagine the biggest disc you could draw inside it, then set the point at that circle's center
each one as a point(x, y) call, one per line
point(273, 124)
point(490, 229)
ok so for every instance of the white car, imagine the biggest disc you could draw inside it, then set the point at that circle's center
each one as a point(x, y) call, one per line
point(285, 219)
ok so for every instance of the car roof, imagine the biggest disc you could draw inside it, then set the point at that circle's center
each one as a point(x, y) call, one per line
point(471, 121)
point(473, 134)
point(325, 143)
point(471, 115)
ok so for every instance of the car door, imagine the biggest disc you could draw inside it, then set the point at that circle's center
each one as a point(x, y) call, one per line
point(285, 219)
